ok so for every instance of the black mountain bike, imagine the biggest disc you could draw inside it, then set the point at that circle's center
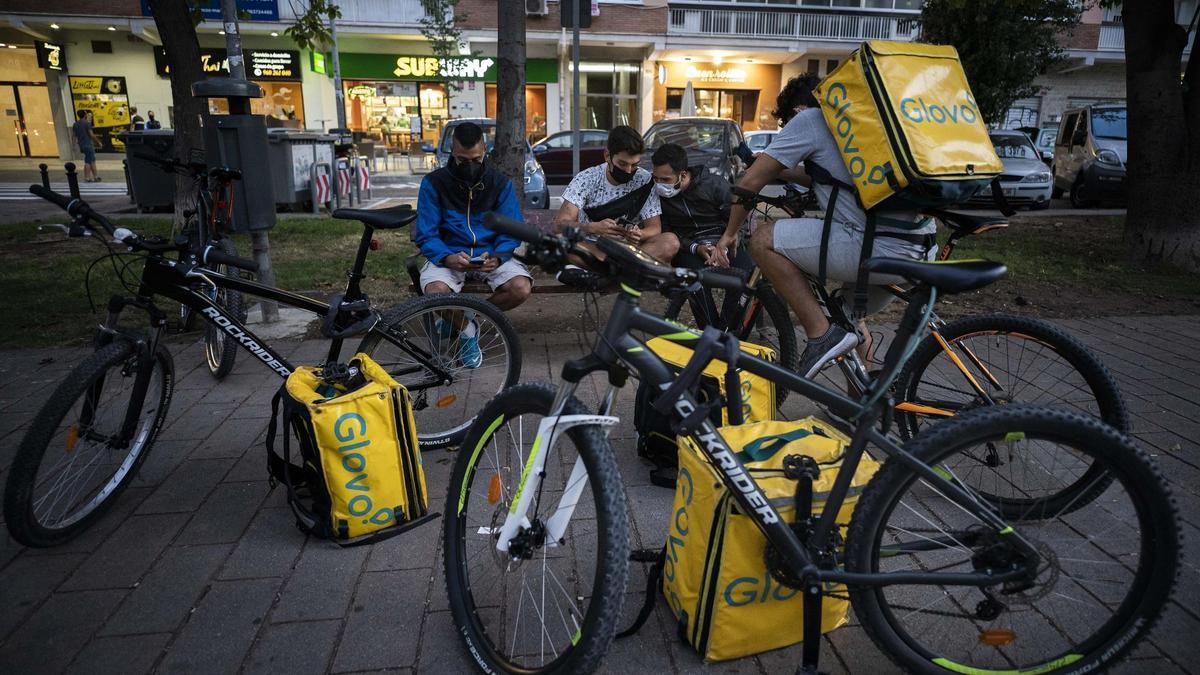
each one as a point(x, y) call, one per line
point(536, 533)
point(98, 425)
point(209, 223)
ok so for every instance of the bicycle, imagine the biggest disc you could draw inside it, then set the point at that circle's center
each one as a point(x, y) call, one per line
point(88, 440)
point(536, 539)
point(975, 361)
point(209, 224)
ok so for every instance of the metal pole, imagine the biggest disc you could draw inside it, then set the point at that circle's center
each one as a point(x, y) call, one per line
point(260, 242)
point(339, 97)
point(575, 87)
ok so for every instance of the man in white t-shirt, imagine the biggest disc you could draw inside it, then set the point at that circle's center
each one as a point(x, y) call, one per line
point(616, 199)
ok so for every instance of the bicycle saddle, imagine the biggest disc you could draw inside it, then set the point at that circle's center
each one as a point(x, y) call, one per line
point(380, 219)
point(965, 224)
point(954, 276)
point(225, 173)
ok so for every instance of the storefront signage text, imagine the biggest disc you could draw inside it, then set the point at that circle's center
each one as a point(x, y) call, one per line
point(432, 66)
point(50, 55)
point(716, 74)
point(250, 10)
point(261, 64)
point(318, 63)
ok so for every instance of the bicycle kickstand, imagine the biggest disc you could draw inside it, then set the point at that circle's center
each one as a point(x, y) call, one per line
point(811, 649)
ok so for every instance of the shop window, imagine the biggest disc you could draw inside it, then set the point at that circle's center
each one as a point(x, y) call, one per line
point(535, 109)
point(282, 103)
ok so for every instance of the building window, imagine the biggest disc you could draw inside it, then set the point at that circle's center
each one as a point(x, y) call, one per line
point(830, 65)
point(609, 92)
point(814, 66)
point(535, 109)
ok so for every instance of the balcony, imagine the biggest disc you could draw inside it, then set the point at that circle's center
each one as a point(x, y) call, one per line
point(1112, 38)
point(382, 13)
point(763, 23)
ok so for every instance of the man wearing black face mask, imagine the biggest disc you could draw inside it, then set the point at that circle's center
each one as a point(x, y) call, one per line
point(450, 232)
point(616, 199)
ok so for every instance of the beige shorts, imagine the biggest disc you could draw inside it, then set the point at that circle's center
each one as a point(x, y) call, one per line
point(455, 279)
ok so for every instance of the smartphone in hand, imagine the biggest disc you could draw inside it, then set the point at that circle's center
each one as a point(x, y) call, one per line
point(478, 261)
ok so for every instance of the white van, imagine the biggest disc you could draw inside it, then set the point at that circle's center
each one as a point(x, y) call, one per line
point(1090, 154)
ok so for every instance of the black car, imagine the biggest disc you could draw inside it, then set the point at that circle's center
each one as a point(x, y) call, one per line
point(554, 153)
point(709, 142)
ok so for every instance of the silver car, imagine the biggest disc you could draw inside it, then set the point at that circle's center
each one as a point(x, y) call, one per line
point(537, 192)
point(1026, 179)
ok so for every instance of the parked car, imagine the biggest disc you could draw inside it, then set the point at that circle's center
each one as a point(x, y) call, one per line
point(1043, 140)
point(1025, 180)
point(709, 143)
point(1090, 155)
point(758, 141)
point(537, 192)
point(554, 153)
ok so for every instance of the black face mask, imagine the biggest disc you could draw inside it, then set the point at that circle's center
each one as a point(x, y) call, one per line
point(620, 175)
point(468, 172)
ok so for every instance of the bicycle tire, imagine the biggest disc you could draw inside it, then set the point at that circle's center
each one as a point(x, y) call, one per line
point(461, 416)
point(1110, 406)
point(1158, 550)
point(220, 348)
point(20, 500)
point(773, 307)
point(610, 540)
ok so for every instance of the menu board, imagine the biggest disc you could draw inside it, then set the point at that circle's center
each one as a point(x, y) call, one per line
point(107, 99)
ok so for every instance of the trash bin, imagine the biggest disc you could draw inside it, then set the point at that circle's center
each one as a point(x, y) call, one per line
point(151, 186)
point(240, 142)
point(291, 154)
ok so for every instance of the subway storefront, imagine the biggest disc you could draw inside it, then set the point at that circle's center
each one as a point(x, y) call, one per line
point(277, 71)
point(399, 99)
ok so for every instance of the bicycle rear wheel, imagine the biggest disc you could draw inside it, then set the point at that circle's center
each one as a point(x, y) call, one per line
point(1016, 360)
point(220, 348)
point(1103, 574)
point(542, 606)
point(72, 463)
point(468, 339)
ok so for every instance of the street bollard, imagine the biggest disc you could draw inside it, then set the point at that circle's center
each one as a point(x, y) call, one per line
point(45, 171)
point(72, 179)
point(319, 185)
point(364, 178)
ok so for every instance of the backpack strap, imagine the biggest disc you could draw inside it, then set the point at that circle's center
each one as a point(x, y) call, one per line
point(628, 205)
point(859, 310)
point(653, 578)
point(820, 174)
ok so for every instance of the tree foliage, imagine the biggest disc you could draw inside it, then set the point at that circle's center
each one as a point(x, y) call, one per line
point(440, 27)
point(311, 30)
point(1004, 44)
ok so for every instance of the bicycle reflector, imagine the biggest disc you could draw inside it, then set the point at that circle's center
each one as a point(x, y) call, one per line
point(446, 400)
point(374, 244)
point(997, 637)
point(72, 436)
point(494, 489)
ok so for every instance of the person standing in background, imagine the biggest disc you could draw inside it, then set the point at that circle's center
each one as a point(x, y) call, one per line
point(136, 123)
point(152, 123)
point(86, 139)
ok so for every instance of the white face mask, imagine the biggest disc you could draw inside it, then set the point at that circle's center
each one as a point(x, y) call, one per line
point(666, 191)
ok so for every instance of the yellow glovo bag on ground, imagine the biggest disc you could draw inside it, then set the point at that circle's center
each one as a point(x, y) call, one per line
point(715, 577)
point(757, 394)
point(907, 126)
point(361, 478)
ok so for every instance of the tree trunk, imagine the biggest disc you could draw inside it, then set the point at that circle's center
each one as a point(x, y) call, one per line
point(1162, 225)
point(510, 93)
point(173, 19)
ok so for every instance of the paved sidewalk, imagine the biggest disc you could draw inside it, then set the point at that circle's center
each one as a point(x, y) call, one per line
point(199, 568)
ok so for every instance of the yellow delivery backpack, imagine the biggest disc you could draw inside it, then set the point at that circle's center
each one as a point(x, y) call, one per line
point(715, 579)
point(907, 126)
point(360, 478)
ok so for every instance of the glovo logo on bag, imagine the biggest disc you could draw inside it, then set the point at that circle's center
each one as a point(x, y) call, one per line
point(840, 114)
point(749, 590)
point(918, 111)
point(348, 429)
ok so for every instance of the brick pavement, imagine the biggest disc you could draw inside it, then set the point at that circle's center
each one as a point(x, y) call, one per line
point(199, 568)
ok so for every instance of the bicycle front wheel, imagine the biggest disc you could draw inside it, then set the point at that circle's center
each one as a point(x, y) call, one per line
point(1013, 359)
point(542, 606)
point(74, 461)
point(453, 353)
point(1100, 579)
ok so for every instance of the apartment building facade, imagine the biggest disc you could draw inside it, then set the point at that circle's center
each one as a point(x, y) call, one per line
point(637, 58)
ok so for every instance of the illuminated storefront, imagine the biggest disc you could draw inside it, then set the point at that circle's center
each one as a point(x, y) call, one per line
point(400, 98)
point(731, 89)
point(27, 129)
point(277, 71)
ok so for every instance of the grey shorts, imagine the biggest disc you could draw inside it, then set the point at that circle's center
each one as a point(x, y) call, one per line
point(799, 240)
point(455, 279)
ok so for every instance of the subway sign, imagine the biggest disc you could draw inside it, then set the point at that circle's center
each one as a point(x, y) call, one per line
point(261, 64)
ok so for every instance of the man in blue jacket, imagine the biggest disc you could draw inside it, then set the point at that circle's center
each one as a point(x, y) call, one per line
point(451, 205)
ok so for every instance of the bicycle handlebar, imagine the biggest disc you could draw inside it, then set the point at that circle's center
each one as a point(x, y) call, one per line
point(216, 256)
point(623, 261)
point(75, 206)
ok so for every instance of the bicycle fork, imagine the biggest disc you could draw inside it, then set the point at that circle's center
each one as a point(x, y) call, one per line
point(550, 430)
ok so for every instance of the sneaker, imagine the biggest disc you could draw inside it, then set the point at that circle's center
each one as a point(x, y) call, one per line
point(572, 275)
point(820, 351)
point(442, 330)
point(468, 351)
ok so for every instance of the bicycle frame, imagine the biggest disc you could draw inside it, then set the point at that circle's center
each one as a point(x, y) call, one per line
point(617, 351)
